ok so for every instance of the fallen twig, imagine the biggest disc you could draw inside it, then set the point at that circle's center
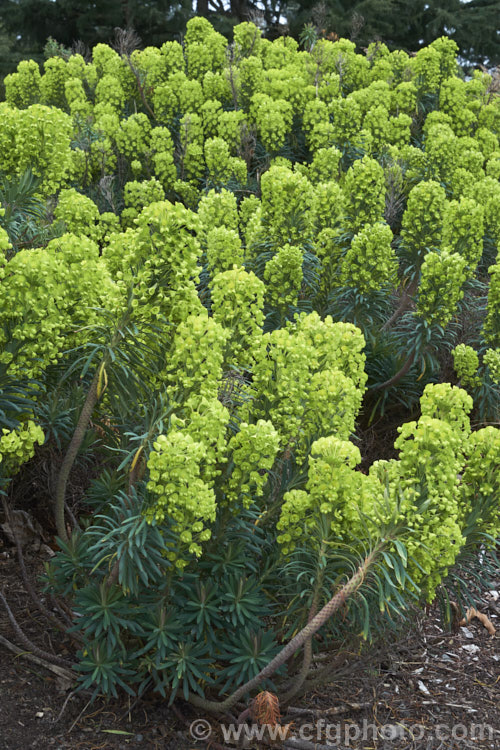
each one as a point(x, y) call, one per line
point(66, 674)
point(70, 695)
point(79, 716)
point(29, 645)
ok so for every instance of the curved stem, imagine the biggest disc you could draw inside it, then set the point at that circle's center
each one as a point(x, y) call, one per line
point(140, 86)
point(302, 675)
point(71, 453)
point(397, 377)
point(59, 671)
point(93, 395)
point(287, 651)
point(24, 573)
point(404, 304)
point(134, 476)
point(29, 645)
point(306, 662)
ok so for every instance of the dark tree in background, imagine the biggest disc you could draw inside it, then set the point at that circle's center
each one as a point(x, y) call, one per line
point(91, 22)
point(395, 22)
point(407, 24)
point(474, 25)
point(25, 25)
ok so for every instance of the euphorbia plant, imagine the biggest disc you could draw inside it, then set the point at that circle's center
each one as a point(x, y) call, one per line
point(252, 253)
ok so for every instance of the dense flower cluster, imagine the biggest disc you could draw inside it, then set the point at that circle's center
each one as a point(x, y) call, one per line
point(331, 490)
point(181, 493)
point(364, 188)
point(36, 138)
point(18, 446)
point(430, 461)
point(492, 322)
point(481, 477)
point(422, 221)
point(466, 363)
point(492, 360)
point(237, 301)
point(253, 449)
point(45, 294)
point(283, 276)
point(442, 279)
point(370, 263)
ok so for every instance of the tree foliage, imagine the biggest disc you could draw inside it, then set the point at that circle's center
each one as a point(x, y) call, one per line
point(398, 23)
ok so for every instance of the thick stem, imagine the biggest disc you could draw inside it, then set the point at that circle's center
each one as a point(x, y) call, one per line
point(244, 715)
point(397, 377)
point(306, 662)
point(302, 675)
point(65, 613)
point(135, 474)
point(113, 576)
point(71, 453)
point(72, 517)
point(140, 87)
point(287, 651)
point(404, 304)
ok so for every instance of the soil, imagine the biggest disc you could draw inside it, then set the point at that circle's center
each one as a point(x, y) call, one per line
point(427, 690)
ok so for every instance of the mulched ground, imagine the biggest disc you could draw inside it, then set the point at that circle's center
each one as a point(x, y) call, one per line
point(428, 690)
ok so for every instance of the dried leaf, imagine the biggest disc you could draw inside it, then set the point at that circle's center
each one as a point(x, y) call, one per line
point(265, 708)
point(471, 613)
